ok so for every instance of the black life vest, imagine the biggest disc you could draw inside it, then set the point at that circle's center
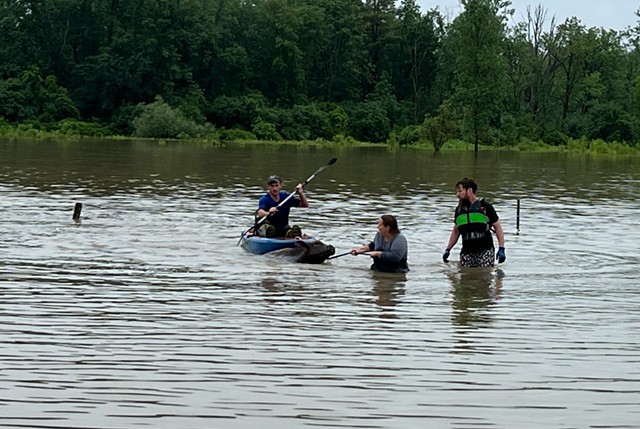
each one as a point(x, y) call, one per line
point(473, 223)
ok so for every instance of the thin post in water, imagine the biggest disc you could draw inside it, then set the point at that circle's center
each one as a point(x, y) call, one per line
point(518, 217)
point(77, 209)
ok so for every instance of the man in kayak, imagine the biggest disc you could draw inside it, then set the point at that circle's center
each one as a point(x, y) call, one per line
point(388, 249)
point(277, 223)
point(473, 220)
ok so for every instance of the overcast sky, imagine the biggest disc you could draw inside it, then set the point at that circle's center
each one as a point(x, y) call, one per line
point(610, 14)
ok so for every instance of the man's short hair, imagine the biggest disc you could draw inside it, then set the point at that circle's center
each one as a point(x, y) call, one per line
point(468, 183)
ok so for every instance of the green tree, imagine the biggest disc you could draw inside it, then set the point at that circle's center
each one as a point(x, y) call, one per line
point(569, 53)
point(160, 120)
point(242, 111)
point(337, 61)
point(611, 123)
point(272, 42)
point(531, 76)
point(14, 39)
point(35, 98)
point(442, 127)
point(380, 19)
point(416, 66)
point(475, 43)
point(368, 121)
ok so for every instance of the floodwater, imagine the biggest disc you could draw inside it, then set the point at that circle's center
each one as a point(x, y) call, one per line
point(147, 314)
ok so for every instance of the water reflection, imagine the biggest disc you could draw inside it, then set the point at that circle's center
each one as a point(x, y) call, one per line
point(475, 291)
point(389, 289)
point(272, 285)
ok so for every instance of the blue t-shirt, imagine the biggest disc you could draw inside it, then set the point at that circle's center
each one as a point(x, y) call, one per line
point(281, 218)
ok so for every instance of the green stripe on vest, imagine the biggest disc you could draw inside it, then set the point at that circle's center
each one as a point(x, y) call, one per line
point(468, 218)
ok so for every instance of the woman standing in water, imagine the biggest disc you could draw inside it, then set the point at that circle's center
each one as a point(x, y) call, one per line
point(388, 249)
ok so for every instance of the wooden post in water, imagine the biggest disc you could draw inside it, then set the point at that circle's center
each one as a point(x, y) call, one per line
point(77, 209)
point(518, 217)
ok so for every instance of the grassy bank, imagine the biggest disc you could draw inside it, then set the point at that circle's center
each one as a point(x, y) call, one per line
point(75, 130)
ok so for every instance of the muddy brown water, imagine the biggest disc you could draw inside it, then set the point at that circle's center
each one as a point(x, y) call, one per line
point(147, 313)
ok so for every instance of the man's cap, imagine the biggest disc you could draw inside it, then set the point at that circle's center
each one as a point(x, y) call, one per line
point(274, 179)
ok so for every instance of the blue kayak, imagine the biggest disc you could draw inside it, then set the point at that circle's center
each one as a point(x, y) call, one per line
point(261, 245)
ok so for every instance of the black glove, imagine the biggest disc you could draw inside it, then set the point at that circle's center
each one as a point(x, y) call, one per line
point(500, 255)
point(445, 255)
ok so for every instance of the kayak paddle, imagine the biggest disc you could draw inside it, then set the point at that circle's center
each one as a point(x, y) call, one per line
point(347, 253)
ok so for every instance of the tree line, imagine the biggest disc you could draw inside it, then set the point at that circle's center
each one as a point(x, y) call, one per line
point(369, 70)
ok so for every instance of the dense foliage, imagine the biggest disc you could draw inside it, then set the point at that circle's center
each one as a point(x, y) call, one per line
point(372, 70)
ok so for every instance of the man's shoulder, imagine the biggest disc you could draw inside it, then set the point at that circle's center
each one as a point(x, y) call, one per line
point(485, 203)
point(266, 200)
point(489, 210)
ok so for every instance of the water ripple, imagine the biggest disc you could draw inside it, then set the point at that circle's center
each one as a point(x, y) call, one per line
point(147, 313)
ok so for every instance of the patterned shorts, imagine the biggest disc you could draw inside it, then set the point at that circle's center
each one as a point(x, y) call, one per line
point(484, 258)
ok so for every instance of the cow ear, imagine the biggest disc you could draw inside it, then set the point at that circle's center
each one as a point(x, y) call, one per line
point(302, 243)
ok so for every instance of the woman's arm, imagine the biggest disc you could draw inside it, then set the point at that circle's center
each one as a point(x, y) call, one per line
point(396, 253)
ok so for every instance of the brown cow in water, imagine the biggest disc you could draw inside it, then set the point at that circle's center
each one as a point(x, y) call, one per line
point(308, 253)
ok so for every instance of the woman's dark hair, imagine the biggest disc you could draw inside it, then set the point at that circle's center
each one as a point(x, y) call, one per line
point(391, 222)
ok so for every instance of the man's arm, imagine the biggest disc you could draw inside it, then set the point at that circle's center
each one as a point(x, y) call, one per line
point(499, 233)
point(303, 197)
point(263, 213)
point(453, 237)
point(262, 208)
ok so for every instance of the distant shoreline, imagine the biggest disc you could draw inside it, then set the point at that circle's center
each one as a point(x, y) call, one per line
point(580, 146)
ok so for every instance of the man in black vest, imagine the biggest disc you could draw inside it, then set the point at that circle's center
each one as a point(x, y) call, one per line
point(473, 220)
